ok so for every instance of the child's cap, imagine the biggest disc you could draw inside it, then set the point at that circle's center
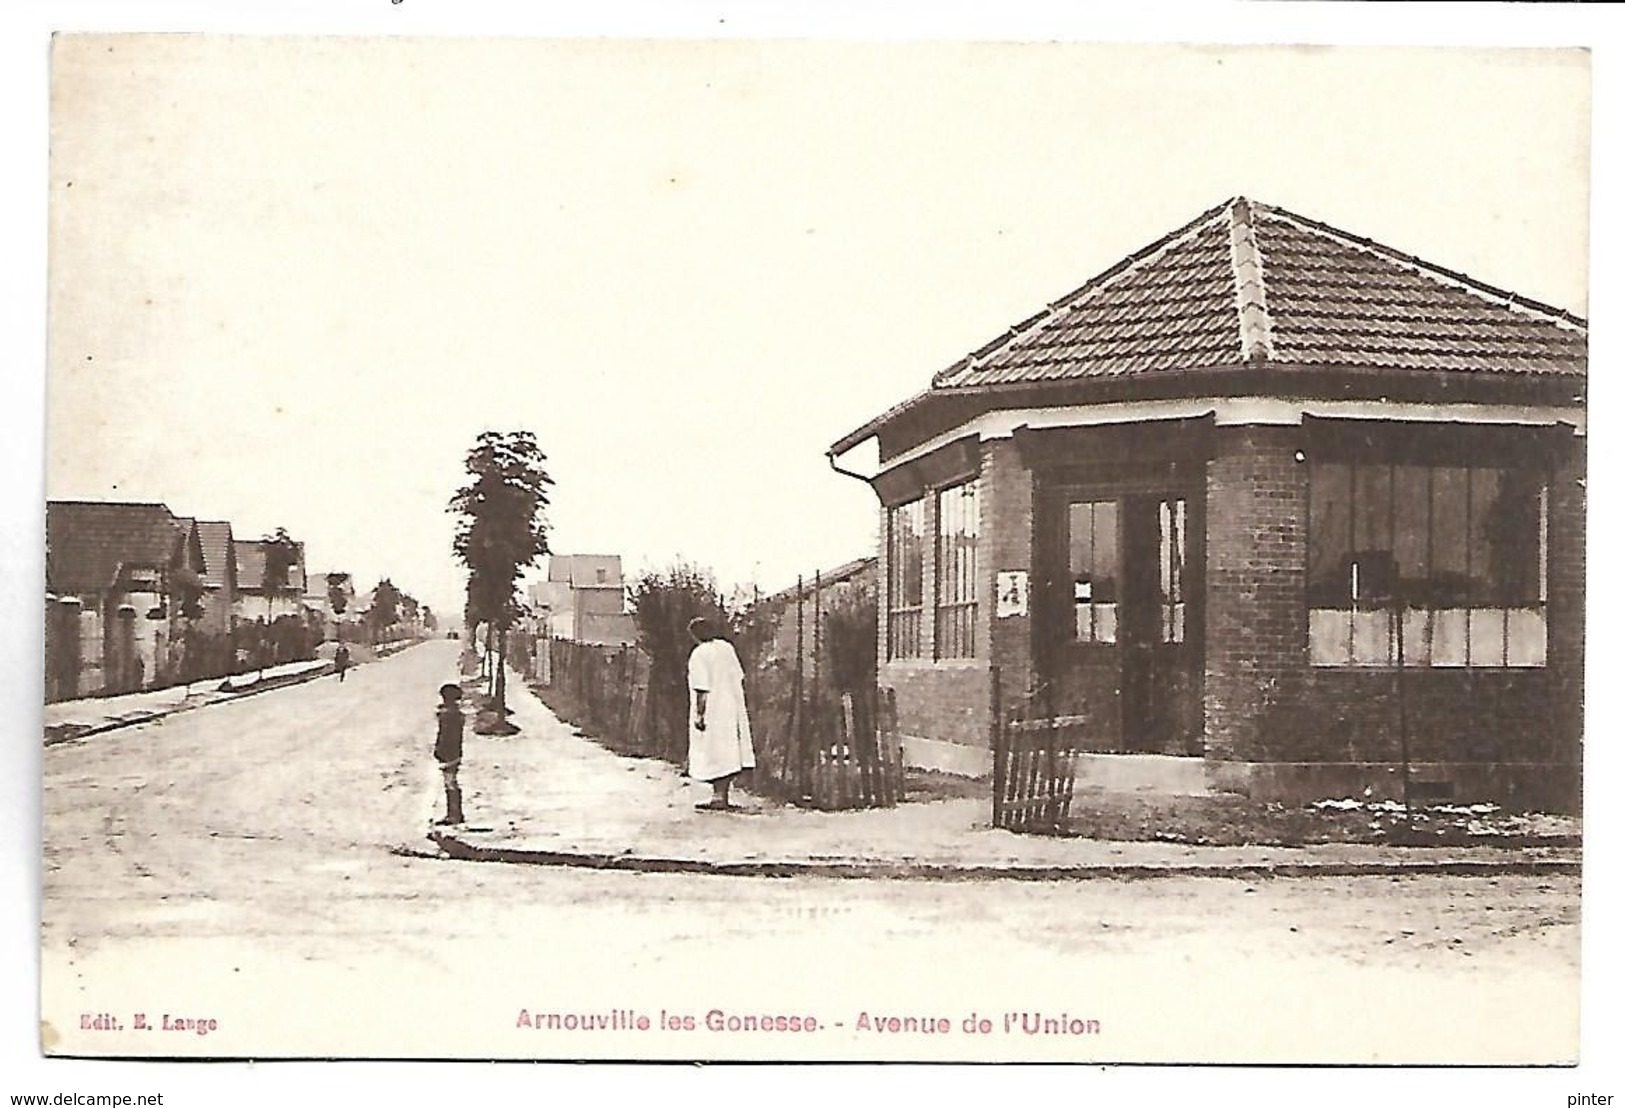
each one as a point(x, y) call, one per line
point(449, 691)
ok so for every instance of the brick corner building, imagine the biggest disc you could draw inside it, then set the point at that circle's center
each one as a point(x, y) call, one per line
point(1283, 502)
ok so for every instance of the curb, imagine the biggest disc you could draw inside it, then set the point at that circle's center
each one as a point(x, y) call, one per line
point(456, 849)
point(69, 732)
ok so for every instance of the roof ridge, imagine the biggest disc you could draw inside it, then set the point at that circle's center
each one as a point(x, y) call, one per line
point(1247, 269)
point(1438, 273)
point(1094, 284)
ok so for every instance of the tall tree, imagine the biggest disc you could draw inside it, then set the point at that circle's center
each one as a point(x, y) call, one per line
point(502, 531)
point(281, 556)
point(337, 600)
point(386, 608)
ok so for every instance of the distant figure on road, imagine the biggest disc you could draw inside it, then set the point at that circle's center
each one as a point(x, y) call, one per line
point(341, 661)
point(719, 745)
point(448, 750)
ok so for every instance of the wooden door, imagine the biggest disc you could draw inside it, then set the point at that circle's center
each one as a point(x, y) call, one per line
point(1116, 634)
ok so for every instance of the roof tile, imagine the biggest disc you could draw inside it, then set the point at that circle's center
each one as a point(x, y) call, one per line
point(1311, 295)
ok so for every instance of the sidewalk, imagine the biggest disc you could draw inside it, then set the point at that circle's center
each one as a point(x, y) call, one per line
point(549, 796)
point(73, 719)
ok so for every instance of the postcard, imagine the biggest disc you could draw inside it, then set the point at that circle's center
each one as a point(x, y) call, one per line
point(730, 549)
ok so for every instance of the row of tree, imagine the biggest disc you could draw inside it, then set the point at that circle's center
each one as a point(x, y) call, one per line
point(501, 532)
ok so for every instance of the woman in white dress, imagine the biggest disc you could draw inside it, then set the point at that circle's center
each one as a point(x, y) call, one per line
point(719, 745)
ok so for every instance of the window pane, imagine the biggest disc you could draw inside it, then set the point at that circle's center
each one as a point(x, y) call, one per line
point(1508, 531)
point(1448, 582)
point(1373, 507)
point(1105, 622)
point(958, 521)
point(1486, 637)
point(1484, 491)
point(1372, 638)
point(1080, 539)
point(905, 578)
point(1418, 637)
point(1526, 637)
point(1373, 537)
point(1411, 531)
point(1450, 637)
point(1328, 637)
point(1329, 521)
point(1092, 553)
point(1105, 575)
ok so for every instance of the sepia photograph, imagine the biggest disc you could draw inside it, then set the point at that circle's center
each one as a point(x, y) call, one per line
point(765, 549)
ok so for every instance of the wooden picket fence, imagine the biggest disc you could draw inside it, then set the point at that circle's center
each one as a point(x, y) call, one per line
point(855, 762)
point(816, 752)
point(612, 693)
point(1035, 766)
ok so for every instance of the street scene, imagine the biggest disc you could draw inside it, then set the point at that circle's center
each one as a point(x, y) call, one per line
point(756, 581)
point(264, 875)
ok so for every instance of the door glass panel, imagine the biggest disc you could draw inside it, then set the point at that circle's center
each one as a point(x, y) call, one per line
point(1171, 556)
point(1092, 566)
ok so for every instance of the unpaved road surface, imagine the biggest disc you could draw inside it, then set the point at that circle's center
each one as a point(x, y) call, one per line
point(237, 864)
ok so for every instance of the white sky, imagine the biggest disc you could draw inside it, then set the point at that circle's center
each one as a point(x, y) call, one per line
point(292, 279)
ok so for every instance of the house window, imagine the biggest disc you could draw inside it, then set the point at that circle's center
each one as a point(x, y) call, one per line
point(905, 578)
point(958, 525)
point(1092, 557)
point(1460, 551)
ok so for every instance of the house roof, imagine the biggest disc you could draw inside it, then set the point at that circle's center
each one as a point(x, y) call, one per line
point(250, 555)
point(581, 570)
point(215, 537)
point(839, 575)
point(1247, 284)
point(87, 542)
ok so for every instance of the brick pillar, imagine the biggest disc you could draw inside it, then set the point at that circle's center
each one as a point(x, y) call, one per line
point(1256, 648)
point(1565, 609)
point(1007, 540)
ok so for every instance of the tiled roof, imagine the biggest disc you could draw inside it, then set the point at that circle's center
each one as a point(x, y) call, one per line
point(250, 555)
point(215, 536)
point(87, 541)
point(1250, 284)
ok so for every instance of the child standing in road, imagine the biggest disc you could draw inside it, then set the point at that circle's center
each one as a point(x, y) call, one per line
point(448, 750)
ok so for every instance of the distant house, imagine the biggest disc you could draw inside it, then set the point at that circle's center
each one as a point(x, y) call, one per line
point(584, 600)
point(115, 574)
point(801, 613)
point(255, 598)
point(1282, 501)
point(219, 576)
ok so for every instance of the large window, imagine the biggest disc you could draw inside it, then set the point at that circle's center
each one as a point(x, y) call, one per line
point(905, 578)
point(1461, 552)
point(958, 525)
point(1092, 556)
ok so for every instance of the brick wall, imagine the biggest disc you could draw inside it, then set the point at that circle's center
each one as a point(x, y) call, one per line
point(1007, 543)
point(1256, 642)
point(945, 701)
point(1565, 610)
